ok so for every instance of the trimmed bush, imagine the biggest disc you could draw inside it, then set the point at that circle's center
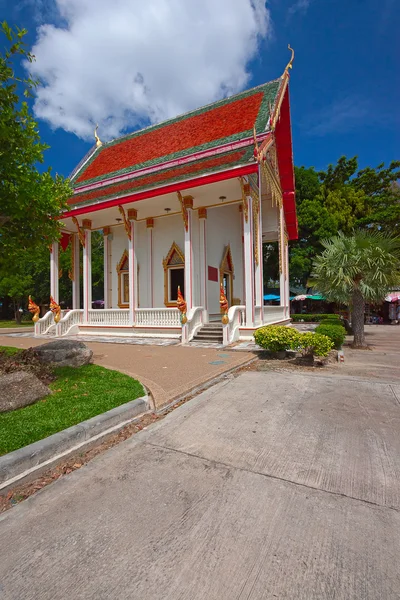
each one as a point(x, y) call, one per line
point(312, 318)
point(315, 344)
point(335, 332)
point(277, 338)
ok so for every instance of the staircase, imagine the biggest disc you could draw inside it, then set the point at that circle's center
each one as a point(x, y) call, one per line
point(211, 333)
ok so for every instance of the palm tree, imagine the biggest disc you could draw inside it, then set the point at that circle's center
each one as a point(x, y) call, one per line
point(355, 269)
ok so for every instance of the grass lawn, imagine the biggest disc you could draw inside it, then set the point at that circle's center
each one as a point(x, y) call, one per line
point(78, 394)
point(14, 324)
point(9, 350)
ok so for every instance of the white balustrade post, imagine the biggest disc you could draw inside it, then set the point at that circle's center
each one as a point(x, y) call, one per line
point(76, 274)
point(188, 208)
point(259, 262)
point(132, 217)
point(107, 236)
point(54, 271)
point(203, 263)
point(87, 269)
point(248, 254)
point(150, 260)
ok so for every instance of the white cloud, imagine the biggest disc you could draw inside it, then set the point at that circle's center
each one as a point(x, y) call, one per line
point(300, 6)
point(341, 116)
point(123, 63)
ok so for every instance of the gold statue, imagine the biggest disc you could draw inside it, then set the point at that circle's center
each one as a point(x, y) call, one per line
point(98, 140)
point(55, 309)
point(223, 302)
point(34, 309)
point(182, 306)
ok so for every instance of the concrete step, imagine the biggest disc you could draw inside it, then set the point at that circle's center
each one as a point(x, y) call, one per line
point(204, 337)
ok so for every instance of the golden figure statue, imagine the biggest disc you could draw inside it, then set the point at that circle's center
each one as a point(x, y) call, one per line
point(182, 306)
point(223, 302)
point(55, 309)
point(34, 309)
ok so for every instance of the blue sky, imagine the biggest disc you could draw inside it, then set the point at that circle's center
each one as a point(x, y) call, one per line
point(344, 82)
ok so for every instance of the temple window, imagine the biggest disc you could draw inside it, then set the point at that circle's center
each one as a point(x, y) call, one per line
point(174, 275)
point(226, 273)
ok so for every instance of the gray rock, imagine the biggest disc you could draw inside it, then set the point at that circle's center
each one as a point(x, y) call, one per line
point(65, 353)
point(19, 389)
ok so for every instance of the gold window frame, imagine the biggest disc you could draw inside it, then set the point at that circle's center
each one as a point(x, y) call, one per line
point(169, 263)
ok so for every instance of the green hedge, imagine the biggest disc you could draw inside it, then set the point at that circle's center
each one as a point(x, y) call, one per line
point(334, 331)
point(277, 338)
point(312, 318)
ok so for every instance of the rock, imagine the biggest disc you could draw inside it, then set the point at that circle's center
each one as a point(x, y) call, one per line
point(65, 353)
point(18, 389)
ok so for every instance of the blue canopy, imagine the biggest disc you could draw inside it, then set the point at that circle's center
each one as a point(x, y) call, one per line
point(271, 297)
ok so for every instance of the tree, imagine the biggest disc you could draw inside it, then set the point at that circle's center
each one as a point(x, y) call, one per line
point(357, 268)
point(30, 201)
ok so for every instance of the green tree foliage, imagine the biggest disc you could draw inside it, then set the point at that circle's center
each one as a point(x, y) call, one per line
point(353, 269)
point(341, 199)
point(29, 200)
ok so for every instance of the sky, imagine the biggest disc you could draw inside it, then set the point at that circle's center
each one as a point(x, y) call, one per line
point(125, 64)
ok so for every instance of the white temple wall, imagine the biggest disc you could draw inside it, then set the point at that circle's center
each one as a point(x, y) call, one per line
point(119, 244)
point(166, 231)
point(142, 257)
point(224, 227)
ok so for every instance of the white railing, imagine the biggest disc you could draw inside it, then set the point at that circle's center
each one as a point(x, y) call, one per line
point(157, 317)
point(194, 323)
point(108, 317)
point(71, 319)
point(44, 324)
point(236, 319)
point(273, 313)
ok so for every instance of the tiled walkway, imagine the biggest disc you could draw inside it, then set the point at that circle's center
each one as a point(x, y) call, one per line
point(166, 368)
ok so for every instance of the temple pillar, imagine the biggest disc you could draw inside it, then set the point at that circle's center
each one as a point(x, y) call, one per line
point(107, 235)
point(150, 260)
point(203, 260)
point(287, 281)
point(133, 284)
point(75, 272)
point(248, 254)
point(54, 271)
point(282, 260)
point(188, 209)
point(258, 253)
point(87, 269)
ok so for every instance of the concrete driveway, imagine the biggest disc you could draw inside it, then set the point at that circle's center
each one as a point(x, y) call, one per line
point(270, 485)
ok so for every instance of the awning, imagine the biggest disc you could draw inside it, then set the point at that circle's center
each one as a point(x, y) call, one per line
point(271, 297)
point(302, 297)
point(392, 298)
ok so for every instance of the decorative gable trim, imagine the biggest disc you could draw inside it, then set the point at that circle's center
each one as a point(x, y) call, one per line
point(123, 264)
point(174, 257)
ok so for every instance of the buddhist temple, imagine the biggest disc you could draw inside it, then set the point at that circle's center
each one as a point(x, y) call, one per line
point(185, 207)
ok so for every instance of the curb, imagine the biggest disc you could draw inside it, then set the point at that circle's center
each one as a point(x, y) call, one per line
point(20, 463)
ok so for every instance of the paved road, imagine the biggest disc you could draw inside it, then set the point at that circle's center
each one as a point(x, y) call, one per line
point(270, 485)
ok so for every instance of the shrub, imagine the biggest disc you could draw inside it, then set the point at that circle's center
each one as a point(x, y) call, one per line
point(315, 344)
point(312, 318)
point(333, 331)
point(277, 338)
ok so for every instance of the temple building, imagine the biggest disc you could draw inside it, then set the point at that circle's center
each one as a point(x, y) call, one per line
point(188, 204)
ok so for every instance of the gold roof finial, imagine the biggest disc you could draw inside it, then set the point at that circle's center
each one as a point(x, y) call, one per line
point(289, 65)
point(98, 140)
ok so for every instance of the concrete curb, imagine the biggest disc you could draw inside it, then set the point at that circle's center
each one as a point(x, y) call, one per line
point(17, 465)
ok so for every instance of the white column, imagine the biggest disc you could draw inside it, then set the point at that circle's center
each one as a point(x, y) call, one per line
point(75, 248)
point(107, 236)
point(132, 216)
point(248, 256)
point(150, 292)
point(188, 204)
point(287, 283)
point(54, 270)
point(259, 268)
point(203, 262)
point(87, 270)
point(282, 259)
